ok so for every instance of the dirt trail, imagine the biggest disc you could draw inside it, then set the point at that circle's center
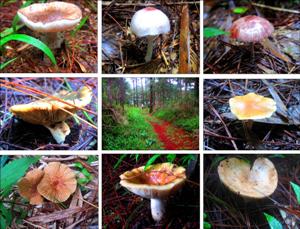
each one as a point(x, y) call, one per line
point(173, 138)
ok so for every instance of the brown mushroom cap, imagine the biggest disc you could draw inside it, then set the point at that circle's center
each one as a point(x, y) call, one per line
point(48, 111)
point(28, 186)
point(252, 106)
point(58, 183)
point(158, 181)
point(259, 181)
point(50, 17)
point(251, 29)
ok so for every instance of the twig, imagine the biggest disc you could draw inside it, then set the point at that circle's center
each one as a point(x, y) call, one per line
point(276, 8)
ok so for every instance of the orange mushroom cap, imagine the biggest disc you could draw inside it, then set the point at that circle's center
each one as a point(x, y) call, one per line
point(28, 186)
point(252, 106)
point(58, 183)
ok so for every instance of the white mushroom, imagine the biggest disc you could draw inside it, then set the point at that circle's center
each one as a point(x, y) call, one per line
point(51, 19)
point(149, 22)
point(157, 183)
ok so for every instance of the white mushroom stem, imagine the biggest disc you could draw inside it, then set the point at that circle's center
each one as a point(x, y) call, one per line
point(59, 131)
point(53, 40)
point(158, 209)
point(148, 56)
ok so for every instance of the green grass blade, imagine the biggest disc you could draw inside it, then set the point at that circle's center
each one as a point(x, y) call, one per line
point(273, 222)
point(151, 161)
point(213, 32)
point(9, 31)
point(2, 66)
point(82, 22)
point(296, 189)
point(120, 160)
point(32, 41)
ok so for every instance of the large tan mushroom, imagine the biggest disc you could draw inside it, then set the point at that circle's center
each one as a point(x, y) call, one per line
point(51, 19)
point(50, 113)
point(28, 186)
point(157, 183)
point(58, 183)
point(258, 181)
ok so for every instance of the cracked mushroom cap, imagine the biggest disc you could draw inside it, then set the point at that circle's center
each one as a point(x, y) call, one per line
point(28, 186)
point(50, 17)
point(48, 111)
point(252, 106)
point(158, 181)
point(251, 29)
point(58, 183)
point(257, 182)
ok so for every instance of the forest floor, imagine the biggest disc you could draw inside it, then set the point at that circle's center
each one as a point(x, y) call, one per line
point(173, 138)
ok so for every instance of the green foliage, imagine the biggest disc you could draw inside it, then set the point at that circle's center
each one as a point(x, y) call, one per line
point(240, 10)
point(296, 189)
point(121, 158)
point(82, 23)
point(213, 32)
point(87, 176)
point(2, 66)
point(13, 171)
point(207, 225)
point(151, 161)
point(273, 222)
point(137, 134)
point(188, 124)
point(29, 40)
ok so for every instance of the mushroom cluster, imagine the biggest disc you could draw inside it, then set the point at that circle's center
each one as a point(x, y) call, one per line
point(157, 183)
point(55, 183)
point(51, 19)
point(52, 113)
point(258, 181)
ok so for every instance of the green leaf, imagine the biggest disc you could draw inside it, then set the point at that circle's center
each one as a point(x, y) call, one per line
point(207, 225)
point(240, 10)
point(273, 222)
point(82, 22)
point(29, 40)
point(6, 214)
point(171, 157)
point(78, 165)
point(151, 161)
point(120, 160)
point(14, 170)
point(2, 66)
point(9, 31)
point(296, 189)
point(214, 32)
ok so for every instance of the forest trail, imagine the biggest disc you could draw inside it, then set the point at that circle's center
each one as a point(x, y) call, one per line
point(172, 138)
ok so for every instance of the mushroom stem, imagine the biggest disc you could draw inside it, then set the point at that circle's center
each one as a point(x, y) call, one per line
point(59, 131)
point(53, 40)
point(158, 209)
point(148, 56)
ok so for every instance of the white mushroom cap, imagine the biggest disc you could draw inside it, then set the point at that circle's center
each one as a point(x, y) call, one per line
point(257, 182)
point(50, 17)
point(134, 181)
point(149, 22)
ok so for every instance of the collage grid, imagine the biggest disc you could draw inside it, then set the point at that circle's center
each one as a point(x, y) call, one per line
point(209, 206)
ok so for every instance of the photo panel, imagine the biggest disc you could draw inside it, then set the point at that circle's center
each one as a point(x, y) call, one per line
point(49, 36)
point(150, 113)
point(151, 37)
point(247, 114)
point(257, 190)
point(46, 191)
point(49, 113)
point(251, 37)
point(151, 190)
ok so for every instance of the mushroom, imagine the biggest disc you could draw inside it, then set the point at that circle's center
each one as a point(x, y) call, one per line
point(149, 22)
point(255, 29)
point(257, 182)
point(28, 186)
point(157, 183)
point(58, 183)
point(51, 19)
point(251, 107)
point(50, 113)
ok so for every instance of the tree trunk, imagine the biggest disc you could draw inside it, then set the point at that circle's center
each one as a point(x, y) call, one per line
point(152, 96)
point(122, 93)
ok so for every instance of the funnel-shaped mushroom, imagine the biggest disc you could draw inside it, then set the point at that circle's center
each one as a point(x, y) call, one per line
point(157, 183)
point(51, 18)
point(50, 113)
point(28, 186)
point(58, 183)
point(257, 182)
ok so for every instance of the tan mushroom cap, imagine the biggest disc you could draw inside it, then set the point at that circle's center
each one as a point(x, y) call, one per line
point(48, 111)
point(28, 186)
point(58, 183)
point(158, 181)
point(259, 181)
point(252, 106)
point(50, 17)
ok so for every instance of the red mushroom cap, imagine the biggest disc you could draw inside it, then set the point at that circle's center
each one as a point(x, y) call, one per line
point(251, 29)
